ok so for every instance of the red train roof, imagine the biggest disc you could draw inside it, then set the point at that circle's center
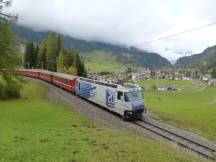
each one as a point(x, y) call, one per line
point(66, 76)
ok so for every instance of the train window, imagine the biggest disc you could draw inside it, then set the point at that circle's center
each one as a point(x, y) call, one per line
point(119, 95)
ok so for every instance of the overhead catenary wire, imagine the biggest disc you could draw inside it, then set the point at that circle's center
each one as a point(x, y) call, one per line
point(176, 34)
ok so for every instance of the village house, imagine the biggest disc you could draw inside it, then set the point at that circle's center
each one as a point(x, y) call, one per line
point(186, 78)
point(206, 77)
point(135, 76)
point(146, 74)
point(121, 76)
point(212, 82)
point(159, 74)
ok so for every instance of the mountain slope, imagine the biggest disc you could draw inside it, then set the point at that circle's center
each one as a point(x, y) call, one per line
point(206, 58)
point(96, 61)
point(138, 57)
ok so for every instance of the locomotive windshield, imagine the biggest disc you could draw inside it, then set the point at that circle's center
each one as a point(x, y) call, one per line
point(133, 96)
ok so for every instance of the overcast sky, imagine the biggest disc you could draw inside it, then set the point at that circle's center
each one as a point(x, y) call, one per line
point(127, 22)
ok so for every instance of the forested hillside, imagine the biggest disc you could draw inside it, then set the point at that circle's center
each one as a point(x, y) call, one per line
point(52, 55)
point(96, 62)
point(206, 58)
point(138, 57)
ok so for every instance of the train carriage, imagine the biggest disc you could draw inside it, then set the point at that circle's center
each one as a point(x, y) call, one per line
point(27, 72)
point(65, 81)
point(33, 73)
point(20, 72)
point(46, 75)
point(15, 72)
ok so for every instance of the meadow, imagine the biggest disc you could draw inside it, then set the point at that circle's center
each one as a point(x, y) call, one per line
point(99, 61)
point(185, 85)
point(35, 129)
point(193, 108)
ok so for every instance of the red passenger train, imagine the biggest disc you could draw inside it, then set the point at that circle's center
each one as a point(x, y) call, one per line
point(125, 99)
point(28, 73)
point(65, 81)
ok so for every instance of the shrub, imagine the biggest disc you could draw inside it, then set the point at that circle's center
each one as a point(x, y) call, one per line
point(10, 86)
point(153, 87)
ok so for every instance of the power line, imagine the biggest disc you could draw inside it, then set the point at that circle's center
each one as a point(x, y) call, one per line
point(180, 33)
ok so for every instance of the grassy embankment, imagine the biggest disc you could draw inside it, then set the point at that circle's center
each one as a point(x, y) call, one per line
point(192, 109)
point(34, 129)
point(98, 61)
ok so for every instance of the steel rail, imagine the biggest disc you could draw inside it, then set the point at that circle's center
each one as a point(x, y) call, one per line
point(181, 140)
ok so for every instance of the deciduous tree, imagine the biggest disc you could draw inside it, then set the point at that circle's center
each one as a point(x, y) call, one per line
point(54, 45)
point(61, 60)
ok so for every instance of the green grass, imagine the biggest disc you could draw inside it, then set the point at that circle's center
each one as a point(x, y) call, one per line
point(34, 129)
point(193, 109)
point(98, 61)
point(182, 84)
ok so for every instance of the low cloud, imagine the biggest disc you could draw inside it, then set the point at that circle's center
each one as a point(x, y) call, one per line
point(126, 22)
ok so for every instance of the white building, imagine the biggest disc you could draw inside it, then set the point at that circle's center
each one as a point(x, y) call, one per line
point(212, 82)
point(186, 78)
point(206, 77)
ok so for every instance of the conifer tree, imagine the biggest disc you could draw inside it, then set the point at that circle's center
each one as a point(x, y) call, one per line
point(9, 85)
point(35, 57)
point(213, 73)
point(29, 55)
point(80, 66)
point(42, 56)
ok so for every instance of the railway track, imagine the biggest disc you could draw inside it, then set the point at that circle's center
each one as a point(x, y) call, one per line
point(194, 145)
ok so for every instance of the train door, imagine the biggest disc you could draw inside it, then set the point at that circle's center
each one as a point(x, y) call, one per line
point(120, 102)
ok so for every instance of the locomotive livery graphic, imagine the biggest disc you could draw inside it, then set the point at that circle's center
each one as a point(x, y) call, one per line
point(110, 98)
point(86, 90)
